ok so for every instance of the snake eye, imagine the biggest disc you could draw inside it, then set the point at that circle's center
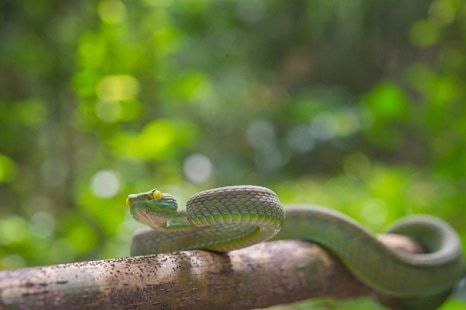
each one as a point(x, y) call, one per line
point(157, 195)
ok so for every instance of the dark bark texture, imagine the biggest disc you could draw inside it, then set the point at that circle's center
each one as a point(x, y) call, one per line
point(263, 275)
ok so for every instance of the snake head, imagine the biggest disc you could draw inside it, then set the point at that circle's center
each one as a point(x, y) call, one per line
point(152, 208)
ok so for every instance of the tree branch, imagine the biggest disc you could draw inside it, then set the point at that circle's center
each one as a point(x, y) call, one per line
point(265, 274)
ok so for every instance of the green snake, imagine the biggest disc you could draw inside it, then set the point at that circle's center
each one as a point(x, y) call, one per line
point(228, 218)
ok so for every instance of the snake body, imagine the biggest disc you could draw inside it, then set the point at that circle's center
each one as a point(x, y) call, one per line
point(233, 217)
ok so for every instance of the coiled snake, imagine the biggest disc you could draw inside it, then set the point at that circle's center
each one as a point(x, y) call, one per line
point(233, 217)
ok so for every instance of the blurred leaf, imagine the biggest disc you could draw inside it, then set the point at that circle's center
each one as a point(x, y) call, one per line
point(424, 33)
point(117, 87)
point(7, 169)
point(157, 140)
point(13, 230)
point(387, 101)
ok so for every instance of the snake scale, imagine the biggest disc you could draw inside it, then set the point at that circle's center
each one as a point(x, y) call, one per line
point(228, 218)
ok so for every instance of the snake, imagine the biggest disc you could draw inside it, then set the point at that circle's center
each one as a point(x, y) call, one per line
point(229, 218)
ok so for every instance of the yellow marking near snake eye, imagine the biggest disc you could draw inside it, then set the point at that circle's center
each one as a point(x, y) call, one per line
point(157, 195)
point(127, 202)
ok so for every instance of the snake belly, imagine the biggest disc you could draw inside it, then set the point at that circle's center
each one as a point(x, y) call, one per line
point(229, 218)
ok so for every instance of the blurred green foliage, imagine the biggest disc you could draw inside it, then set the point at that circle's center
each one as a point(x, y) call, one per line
point(359, 106)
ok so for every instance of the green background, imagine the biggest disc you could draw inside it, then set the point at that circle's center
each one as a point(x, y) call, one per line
point(355, 105)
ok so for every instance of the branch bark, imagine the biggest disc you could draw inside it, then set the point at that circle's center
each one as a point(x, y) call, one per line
point(265, 274)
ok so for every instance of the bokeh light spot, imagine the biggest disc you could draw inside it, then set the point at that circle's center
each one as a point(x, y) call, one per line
point(356, 165)
point(442, 12)
point(112, 11)
point(108, 111)
point(324, 126)
point(374, 211)
point(198, 168)
point(424, 33)
point(105, 184)
point(117, 87)
point(13, 229)
point(42, 224)
point(260, 133)
point(300, 139)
